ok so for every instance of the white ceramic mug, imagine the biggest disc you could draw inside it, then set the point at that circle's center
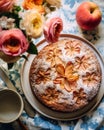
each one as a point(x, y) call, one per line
point(11, 105)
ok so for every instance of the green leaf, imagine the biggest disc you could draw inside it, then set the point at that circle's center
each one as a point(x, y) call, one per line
point(10, 65)
point(32, 49)
point(16, 8)
point(25, 57)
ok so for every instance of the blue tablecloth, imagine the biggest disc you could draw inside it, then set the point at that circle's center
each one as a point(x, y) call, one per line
point(95, 119)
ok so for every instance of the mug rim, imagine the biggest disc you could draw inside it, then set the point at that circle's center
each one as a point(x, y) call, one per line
point(20, 109)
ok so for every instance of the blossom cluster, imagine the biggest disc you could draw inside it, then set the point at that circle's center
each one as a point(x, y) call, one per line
point(19, 24)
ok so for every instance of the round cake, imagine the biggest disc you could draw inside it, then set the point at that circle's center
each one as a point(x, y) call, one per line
point(65, 76)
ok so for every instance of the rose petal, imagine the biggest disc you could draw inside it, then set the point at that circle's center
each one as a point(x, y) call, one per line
point(6, 5)
point(52, 29)
point(13, 42)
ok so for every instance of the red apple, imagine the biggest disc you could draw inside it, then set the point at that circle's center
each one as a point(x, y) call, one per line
point(88, 15)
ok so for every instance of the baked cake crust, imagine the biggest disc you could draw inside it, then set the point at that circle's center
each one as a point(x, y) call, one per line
point(66, 75)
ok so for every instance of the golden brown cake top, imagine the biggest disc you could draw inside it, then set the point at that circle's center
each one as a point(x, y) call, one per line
point(69, 70)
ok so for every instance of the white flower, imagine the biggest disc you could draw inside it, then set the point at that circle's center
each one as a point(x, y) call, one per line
point(7, 23)
point(32, 22)
point(56, 3)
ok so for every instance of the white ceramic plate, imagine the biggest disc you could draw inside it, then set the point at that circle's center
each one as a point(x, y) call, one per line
point(45, 111)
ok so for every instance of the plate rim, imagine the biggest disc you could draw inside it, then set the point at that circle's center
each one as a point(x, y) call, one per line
point(95, 103)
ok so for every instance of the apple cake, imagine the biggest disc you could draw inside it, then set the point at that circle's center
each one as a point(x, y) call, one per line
point(65, 76)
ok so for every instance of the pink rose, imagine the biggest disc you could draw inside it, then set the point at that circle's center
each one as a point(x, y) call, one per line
point(13, 42)
point(52, 29)
point(6, 5)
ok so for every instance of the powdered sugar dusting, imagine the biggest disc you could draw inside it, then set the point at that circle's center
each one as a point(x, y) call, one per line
point(71, 69)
